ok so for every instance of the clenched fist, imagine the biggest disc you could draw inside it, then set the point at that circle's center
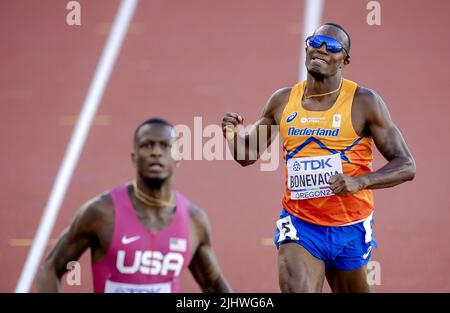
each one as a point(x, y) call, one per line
point(232, 123)
point(342, 184)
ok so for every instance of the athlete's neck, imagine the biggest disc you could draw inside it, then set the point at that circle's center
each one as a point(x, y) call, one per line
point(316, 87)
point(163, 193)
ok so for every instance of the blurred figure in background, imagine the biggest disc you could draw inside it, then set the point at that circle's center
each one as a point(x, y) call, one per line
point(143, 234)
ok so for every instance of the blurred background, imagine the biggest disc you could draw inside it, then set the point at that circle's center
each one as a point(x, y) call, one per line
point(182, 59)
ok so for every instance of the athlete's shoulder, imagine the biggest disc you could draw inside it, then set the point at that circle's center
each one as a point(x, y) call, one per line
point(366, 94)
point(283, 92)
point(101, 202)
point(276, 104)
point(368, 99)
point(198, 215)
point(96, 210)
point(281, 96)
point(369, 104)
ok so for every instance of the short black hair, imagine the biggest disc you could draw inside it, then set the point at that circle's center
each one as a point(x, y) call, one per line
point(151, 121)
point(343, 29)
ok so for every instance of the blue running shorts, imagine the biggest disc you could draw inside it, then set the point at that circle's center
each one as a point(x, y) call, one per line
point(339, 247)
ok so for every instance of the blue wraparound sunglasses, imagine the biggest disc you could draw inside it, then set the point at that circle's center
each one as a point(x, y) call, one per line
point(333, 45)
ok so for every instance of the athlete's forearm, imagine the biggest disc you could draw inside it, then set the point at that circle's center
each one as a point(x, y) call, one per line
point(48, 280)
point(242, 149)
point(220, 285)
point(397, 171)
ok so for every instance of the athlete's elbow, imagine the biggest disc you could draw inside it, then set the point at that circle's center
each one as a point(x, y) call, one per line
point(410, 171)
point(51, 266)
point(47, 278)
point(245, 163)
point(218, 285)
point(45, 268)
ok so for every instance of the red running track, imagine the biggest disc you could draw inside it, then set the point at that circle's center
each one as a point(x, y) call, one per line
point(183, 59)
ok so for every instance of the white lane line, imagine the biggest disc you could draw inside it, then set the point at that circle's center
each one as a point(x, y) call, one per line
point(79, 135)
point(311, 20)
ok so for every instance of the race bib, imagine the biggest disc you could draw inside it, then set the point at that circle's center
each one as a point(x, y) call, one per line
point(308, 177)
point(115, 287)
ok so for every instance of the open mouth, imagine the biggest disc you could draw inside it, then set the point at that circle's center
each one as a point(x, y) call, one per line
point(155, 166)
point(320, 60)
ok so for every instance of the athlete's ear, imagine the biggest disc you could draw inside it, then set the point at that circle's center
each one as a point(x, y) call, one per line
point(133, 159)
point(347, 60)
point(175, 149)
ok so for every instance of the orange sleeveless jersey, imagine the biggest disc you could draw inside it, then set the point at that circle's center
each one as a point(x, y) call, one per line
point(320, 133)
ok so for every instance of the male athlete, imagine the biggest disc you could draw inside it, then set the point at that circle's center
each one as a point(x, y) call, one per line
point(327, 124)
point(143, 234)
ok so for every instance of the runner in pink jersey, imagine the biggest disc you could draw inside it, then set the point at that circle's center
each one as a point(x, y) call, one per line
point(142, 235)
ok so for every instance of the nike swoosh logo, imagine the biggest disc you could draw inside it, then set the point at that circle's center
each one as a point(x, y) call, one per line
point(127, 240)
point(365, 255)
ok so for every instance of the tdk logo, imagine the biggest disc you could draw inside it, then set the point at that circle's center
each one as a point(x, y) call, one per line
point(315, 164)
point(291, 117)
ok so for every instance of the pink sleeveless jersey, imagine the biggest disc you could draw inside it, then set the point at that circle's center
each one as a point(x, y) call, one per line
point(140, 260)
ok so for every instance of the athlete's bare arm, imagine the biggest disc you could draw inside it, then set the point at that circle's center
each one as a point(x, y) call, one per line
point(244, 150)
point(373, 119)
point(78, 237)
point(204, 266)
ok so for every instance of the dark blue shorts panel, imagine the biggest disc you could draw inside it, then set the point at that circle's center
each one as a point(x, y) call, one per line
point(339, 247)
